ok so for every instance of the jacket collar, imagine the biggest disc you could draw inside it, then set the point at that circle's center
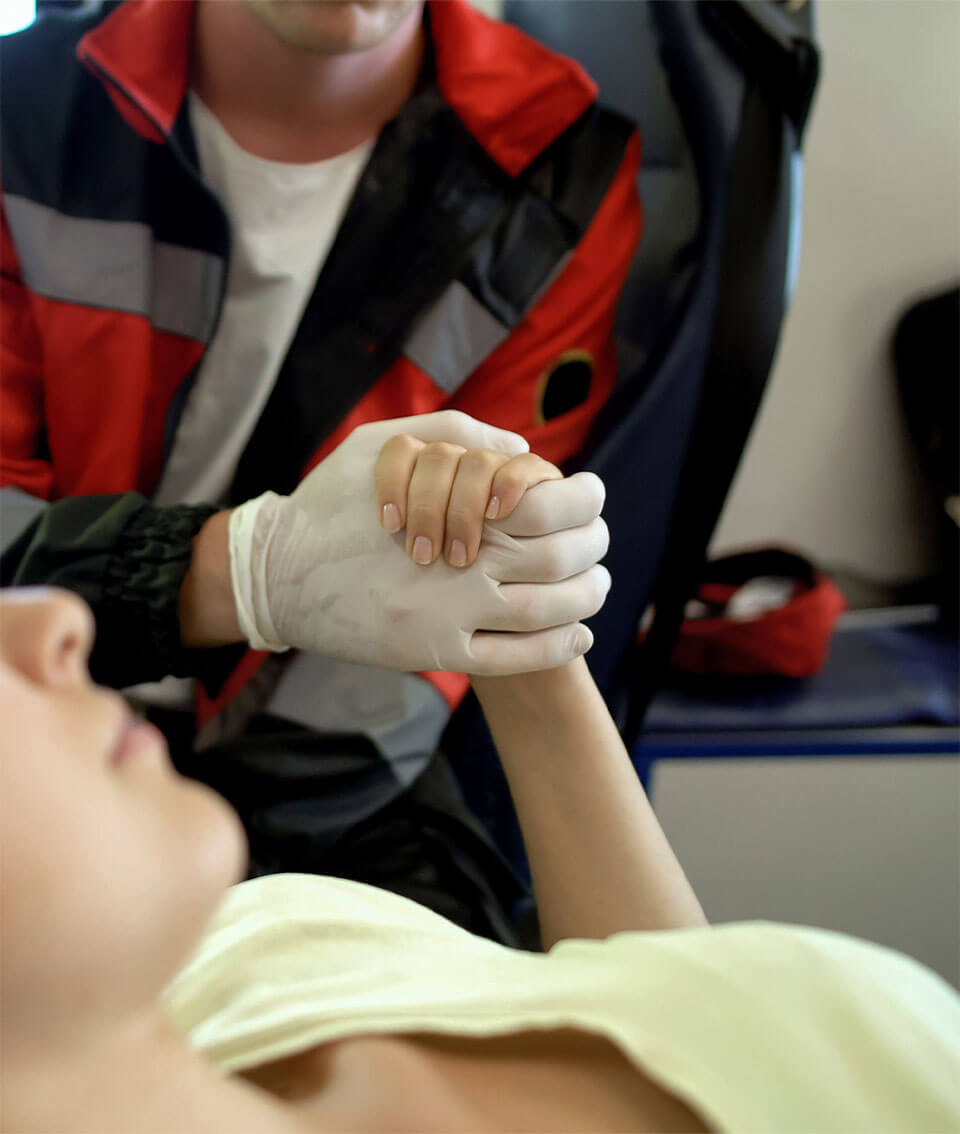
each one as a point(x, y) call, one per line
point(513, 95)
point(141, 53)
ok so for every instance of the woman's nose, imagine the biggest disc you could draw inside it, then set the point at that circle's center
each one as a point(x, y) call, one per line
point(46, 634)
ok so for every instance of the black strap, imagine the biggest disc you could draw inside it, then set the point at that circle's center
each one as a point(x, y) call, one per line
point(773, 43)
point(564, 186)
point(766, 561)
point(750, 308)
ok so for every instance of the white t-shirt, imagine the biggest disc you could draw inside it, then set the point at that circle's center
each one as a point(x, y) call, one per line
point(758, 1027)
point(284, 218)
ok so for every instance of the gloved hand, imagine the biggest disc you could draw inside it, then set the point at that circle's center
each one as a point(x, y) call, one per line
point(316, 571)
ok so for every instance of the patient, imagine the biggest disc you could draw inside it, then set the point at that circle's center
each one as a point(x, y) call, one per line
point(142, 991)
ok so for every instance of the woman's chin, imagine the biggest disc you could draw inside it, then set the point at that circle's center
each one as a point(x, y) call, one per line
point(236, 852)
point(220, 851)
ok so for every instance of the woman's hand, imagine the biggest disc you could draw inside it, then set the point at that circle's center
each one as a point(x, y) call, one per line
point(442, 493)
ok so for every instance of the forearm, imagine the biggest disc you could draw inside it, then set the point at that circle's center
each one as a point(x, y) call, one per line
point(600, 861)
point(208, 613)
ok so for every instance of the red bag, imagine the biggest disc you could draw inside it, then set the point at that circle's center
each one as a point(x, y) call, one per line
point(759, 612)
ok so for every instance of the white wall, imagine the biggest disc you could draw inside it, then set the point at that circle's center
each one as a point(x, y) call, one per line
point(861, 845)
point(829, 467)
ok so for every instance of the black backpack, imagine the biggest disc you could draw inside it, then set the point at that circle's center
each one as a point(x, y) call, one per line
point(926, 354)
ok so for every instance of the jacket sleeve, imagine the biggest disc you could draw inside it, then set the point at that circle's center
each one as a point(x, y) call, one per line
point(22, 440)
point(125, 557)
point(549, 379)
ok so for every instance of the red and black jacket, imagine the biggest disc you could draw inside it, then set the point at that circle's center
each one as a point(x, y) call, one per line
point(477, 267)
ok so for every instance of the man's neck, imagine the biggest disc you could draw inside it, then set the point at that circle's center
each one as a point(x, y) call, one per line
point(286, 104)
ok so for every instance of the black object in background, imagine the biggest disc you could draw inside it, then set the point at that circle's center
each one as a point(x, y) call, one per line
point(926, 354)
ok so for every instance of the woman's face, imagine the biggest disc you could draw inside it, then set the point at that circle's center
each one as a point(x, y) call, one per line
point(110, 862)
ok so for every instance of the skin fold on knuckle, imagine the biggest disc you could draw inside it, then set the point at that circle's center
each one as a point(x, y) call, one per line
point(396, 462)
point(511, 485)
point(442, 452)
point(542, 469)
point(509, 489)
point(403, 445)
point(481, 462)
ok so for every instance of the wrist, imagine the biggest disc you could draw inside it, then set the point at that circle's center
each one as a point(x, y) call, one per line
point(252, 531)
point(208, 612)
point(556, 715)
point(541, 693)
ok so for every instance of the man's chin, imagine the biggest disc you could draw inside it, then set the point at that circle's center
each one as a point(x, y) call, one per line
point(334, 27)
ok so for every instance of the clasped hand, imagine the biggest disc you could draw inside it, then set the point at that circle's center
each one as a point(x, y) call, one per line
point(350, 565)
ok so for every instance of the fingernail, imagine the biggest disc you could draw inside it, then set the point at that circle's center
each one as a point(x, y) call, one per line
point(391, 517)
point(493, 508)
point(458, 553)
point(422, 550)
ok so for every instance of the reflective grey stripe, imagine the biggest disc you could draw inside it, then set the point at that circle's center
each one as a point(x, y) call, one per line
point(115, 265)
point(455, 335)
point(17, 510)
point(402, 714)
point(185, 290)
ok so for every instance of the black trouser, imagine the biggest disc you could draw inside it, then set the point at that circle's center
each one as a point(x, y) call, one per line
point(330, 805)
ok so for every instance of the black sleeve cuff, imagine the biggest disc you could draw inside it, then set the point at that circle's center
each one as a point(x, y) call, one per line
point(127, 560)
point(138, 621)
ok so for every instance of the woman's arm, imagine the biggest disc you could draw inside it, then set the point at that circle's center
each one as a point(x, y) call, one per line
point(601, 863)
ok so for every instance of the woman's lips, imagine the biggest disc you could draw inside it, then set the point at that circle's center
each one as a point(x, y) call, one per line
point(137, 739)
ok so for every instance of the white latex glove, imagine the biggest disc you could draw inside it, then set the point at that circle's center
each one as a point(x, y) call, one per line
point(316, 571)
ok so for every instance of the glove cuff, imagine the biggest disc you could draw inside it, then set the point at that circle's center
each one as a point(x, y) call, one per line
point(250, 531)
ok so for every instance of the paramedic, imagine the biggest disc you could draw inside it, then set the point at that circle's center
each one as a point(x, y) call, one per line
point(233, 232)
